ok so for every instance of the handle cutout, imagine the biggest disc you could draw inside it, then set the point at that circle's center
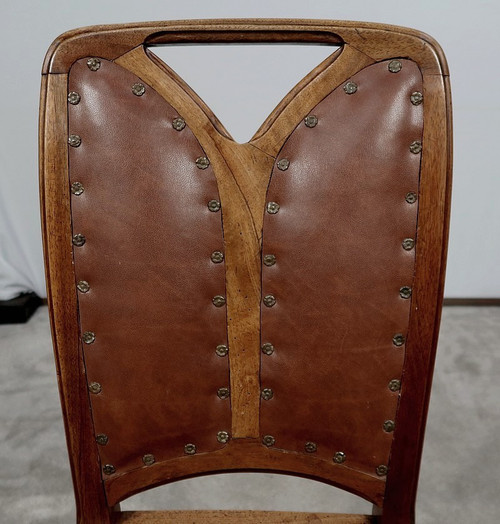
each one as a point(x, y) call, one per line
point(242, 86)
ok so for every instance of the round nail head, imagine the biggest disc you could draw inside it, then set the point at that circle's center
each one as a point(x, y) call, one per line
point(178, 123)
point(223, 437)
point(93, 64)
point(218, 301)
point(350, 88)
point(73, 98)
point(395, 66)
point(311, 121)
point(268, 440)
point(416, 98)
point(221, 350)
point(416, 147)
point(74, 140)
point(395, 385)
point(339, 457)
point(138, 89)
point(83, 286)
point(267, 348)
point(398, 340)
point(189, 449)
point(148, 459)
point(283, 164)
point(202, 162)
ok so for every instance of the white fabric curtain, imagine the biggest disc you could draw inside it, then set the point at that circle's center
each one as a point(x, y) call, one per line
point(21, 266)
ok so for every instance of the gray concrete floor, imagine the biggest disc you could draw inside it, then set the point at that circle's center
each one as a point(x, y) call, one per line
point(459, 480)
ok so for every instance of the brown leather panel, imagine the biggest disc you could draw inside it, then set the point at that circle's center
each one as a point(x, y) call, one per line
point(339, 267)
point(149, 237)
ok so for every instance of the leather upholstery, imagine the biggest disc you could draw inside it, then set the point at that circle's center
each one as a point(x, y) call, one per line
point(340, 264)
point(149, 238)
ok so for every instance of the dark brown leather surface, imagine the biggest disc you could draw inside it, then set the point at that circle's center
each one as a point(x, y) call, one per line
point(149, 237)
point(339, 267)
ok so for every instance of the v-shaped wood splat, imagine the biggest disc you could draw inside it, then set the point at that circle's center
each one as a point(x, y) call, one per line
point(243, 172)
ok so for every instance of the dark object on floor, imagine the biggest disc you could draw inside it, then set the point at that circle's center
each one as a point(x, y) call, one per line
point(18, 310)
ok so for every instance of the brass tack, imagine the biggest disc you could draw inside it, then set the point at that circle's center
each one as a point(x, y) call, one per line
point(389, 426)
point(382, 470)
point(268, 440)
point(272, 208)
point(408, 244)
point(411, 197)
point(202, 162)
point(223, 437)
point(269, 260)
point(93, 64)
point(218, 301)
point(350, 88)
point(88, 337)
point(77, 188)
point(108, 469)
point(269, 300)
point(339, 457)
point(416, 98)
point(395, 385)
point(95, 388)
point(221, 350)
point(74, 140)
point(138, 89)
point(83, 286)
point(148, 459)
point(405, 292)
point(214, 206)
point(189, 449)
point(395, 66)
point(217, 257)
point(416, 147)
point(179, 124)
point(267, 348)
point(73, 98)
point(283, 164)
point(398, 339)
point(101, 439)
point(267, 394)
point(78, 240)
point(311, 447)
point(311, 121)
point(223, 393)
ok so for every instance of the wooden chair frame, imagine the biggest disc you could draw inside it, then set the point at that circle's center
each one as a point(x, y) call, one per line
point(239, 181)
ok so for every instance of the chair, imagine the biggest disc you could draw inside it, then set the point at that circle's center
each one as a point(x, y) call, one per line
point(267, 306)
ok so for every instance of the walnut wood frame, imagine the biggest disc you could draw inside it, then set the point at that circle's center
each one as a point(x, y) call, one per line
point(243, 172)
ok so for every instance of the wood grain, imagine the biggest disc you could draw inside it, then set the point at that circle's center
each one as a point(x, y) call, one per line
point(237, 517)
point(56, 229)
point(247, 455)
point(427, 296)
point(374, 40)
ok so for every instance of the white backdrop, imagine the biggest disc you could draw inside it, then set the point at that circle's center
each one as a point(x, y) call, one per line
point(468, 32)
